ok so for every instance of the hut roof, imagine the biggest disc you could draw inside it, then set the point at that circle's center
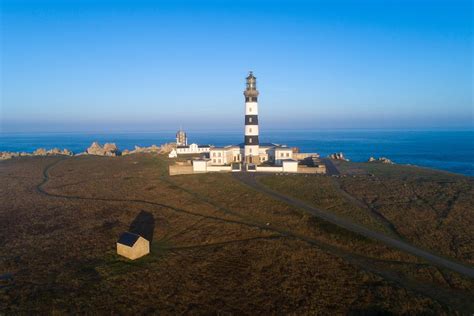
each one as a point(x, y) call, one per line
point(128, 239)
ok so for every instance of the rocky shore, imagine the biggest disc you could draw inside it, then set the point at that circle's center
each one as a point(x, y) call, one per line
point(108, 150)
point(338, 156)
point(381, 160)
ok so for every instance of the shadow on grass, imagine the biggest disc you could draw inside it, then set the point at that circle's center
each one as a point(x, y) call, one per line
point(143, 225)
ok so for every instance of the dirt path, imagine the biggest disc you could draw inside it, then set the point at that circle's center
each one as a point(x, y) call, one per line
point(250, 180)
point(372, 211)
point(461, 300)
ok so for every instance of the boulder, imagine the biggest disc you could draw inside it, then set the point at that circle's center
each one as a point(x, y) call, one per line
point(109, 149)
point(54, 152)
point(66, 152)
point(40, 152)
point(386, 160)
point(95, 149)
point(4, 155)
point(338, 156)
point(381, 160)
point(163, 149)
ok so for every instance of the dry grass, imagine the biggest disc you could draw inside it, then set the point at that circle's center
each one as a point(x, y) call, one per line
point(211, 253)
point(430, 209)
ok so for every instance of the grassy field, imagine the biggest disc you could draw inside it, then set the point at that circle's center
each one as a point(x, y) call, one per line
point(217, 245)
point(428, 208)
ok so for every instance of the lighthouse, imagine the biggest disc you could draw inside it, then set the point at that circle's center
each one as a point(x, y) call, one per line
point(251, 144)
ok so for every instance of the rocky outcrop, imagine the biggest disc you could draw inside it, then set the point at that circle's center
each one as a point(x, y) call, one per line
point(167, 148)
point(381, 160)
point(163, 149)
point(338, 156)
point(50, 152)
point(39, 152)
point(4, 155)
point(109, 150)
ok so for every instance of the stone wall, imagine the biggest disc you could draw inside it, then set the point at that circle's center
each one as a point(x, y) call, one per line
point(321, 169)
point(177, 170)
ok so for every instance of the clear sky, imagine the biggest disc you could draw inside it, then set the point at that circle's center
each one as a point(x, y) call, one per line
point(155, 65)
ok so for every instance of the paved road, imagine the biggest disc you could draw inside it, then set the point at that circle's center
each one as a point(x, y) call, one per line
point(331, 169)
point(250, 180)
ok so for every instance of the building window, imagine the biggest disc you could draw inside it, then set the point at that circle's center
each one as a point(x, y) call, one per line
point(213, 160)
point(288, 154)
point(219, 161)
point(219, 155)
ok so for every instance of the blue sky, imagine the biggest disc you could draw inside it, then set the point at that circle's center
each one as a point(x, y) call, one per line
point(155, 65)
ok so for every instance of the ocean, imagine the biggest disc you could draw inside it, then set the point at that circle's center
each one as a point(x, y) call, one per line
point(452, 151)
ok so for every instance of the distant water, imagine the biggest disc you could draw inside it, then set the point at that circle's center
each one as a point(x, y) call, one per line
point(446, 150)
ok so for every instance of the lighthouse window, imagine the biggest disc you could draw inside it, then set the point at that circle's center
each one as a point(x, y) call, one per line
point(250, 130)
point(250, 109)
point(250, 120)
point(250, 140)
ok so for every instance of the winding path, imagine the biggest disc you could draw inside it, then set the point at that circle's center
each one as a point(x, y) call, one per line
point(442, 295)
point(251, 181)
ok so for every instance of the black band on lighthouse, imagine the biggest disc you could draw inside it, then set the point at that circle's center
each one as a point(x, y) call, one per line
point(251, 119)
point(251, 140)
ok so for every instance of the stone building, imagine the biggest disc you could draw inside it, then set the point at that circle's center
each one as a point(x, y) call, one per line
point(132, 246)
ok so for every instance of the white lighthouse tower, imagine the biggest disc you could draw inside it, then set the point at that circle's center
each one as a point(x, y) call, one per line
point(251, 144)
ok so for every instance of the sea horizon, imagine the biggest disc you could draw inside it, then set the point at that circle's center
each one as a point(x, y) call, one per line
point(442, 149)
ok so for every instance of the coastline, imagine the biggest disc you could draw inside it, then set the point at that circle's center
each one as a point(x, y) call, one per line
point(451, 150)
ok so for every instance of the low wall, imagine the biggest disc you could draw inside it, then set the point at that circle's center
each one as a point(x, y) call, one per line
point(301, 156)
point(269, 169)
point(321, 169)
point(188, 169)
point(218, 168)
point(177, 169)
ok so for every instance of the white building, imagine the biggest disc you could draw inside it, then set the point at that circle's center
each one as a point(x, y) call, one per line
point(182, 147)
point(266, 153)
point(192, 149)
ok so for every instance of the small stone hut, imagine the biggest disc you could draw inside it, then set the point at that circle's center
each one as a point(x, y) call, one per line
point(132, 246)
